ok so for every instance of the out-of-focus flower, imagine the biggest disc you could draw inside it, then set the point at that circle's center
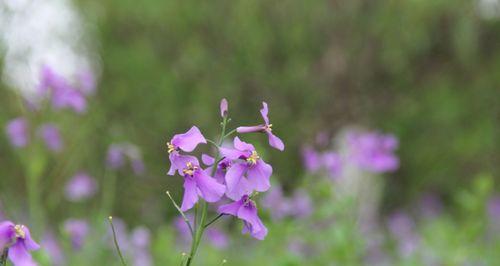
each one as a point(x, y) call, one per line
point(118, 152)
point(186, 142)
point(183, 233)
point(77, 231)
point(217, 238)
point(140, 240)
point(274, 201)
point(87, 82)
point(122, 236)
point(197, 183)
point(17, 239)
point(17, 131)
point(493, 209)
point(246, 210)
point(311, 159)
point(49, 133)
point(301, 204)
point(373, 151)
point(274, 141)
point(402, 227)
point(80, 187)
point(246, 162)
point(223, 107)
point(332, 163)
point(51, 245)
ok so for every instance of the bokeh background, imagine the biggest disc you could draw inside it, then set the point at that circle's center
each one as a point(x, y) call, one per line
point(427, 72)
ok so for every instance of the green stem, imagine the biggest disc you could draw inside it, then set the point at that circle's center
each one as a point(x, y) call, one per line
point(116, 241)
point(204, 206)
point(213, 220)
point(182, 214)
point(108, 192)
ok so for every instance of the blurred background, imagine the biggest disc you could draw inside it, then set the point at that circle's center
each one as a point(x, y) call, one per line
point(425, 73)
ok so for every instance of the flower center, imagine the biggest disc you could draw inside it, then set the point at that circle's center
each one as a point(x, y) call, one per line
point(19, 229)
point(170, 147)
point(268, 127)
point(253, 158)
point(190, 168)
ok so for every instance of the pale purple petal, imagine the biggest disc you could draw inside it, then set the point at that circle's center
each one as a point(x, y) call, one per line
point(234, 174)
point(189, 140)
point(115, 158)
point(242, 146)
point(311, 159)
point(242, 188)
point(51, 245)
point(258, 176)
point(250, 129)
point(6, 233)
point(231, 208)
point(264, 112)
point(68, 97)
point(51, 136)
point(210, 190)
point(248, 213)
point(274, 141)
point(141, 237)
point(77, 231)
point(207, 159)
point(190, 194)
point(138, 166)
point(332, 163)
point(29, 243)
point(232, 154)
point(179, 162)
point(217, 238)
point(80, 187)
point(223, 107)
point(17, 131)
point(20, 256)
point(87, 82)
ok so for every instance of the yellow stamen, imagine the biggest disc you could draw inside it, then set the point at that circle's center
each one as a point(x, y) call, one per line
point(268, 127)
point(170, 147)
point(20, 231)
point(253, 158)
point(190, 168)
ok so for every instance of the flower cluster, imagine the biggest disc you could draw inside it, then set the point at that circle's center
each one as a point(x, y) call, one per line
point(16, 240)
point(236, 172)
point(18, 133)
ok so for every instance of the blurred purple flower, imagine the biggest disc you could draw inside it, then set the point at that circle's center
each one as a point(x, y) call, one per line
point(311, 159)
point(274, 141)
point(18, 239)
point(118, 152)
point(493, 209)
point(115, 158)
point(51, 245)
point(223, 107)
point(186, 142)
point(217, 238)
point(246, 210)
point(17, 131)
point(87, 82)
point(246, 162)
point(274, 201)
point(184, 236)
point(138, 166)
point(51, 136)
point(333, 163)
point(80, 187)
point(140, 240)
point(121, 235)
point(301, 204)
point(402, 227)
point(77, 231)
point(373, 151)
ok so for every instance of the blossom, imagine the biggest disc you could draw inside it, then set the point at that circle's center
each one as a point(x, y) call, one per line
point(222, 167)
point(217, 238)
point(140, 239)
point(51, 136)
point(87, 82)
point(301, 204)
point(77, 231)
point(119, 152)
point(17, 239)
point(274, 141)
point(223, 107)
point(50, 244)
point(402, 227)
point(246, 162)
point(80, 187)
point(373, 151)
point(332, 162)
point(311, 159)
point(277, 204)
point(115, 158)
point(186, 142)
point(246, 210)
point(197, 183)
point(17, 131)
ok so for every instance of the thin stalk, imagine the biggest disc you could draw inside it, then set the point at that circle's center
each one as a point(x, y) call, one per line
point(110, 219)
point(213, 220)
point(182, 214)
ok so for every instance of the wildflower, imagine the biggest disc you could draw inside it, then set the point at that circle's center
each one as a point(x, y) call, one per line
point(115, 158)
point(51, 136)
point(246, 162)
point(197, 183)
point(274, 141)
point(217, 238)
point(140, 239)
point(51, 246)
point(87, 82)
point(186, 142)
point(17, 132)
point(278, 205)
point(373, 151)
point(302, 205)
point(311, 159)
point(402, 227)
point(333, 163)
point(80, 187)
point(222, 167)
point(223, 107)
point(246, 210)
point(17, 239)
point(77, 231)
point(117, 153)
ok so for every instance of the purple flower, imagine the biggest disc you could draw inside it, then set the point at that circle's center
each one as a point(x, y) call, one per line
point(186, 142)
point(87, 82)
point(402, 228)
point(373, 151)
point(197, 183)
point(246, 210)
point(51, 136)
point(117, 153)
point(17, 239)
point(77, 231)
point(115, 158)
point(311, 159)
point(274, 141)
point(141, 240)
point(222, 167)
point(223, 107)
point(301, 204)
point(246, 162)
point(80, 187)
point(333, 163)
point(51, 246)
point(274, 201)
point(17, 131)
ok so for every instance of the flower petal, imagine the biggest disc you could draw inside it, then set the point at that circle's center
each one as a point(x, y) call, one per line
point(207, 159)
point(190, 194)
point(274, 141)
point(232, 154)
point(242, 146)
point(223, 107)
point(210, 189)
point(231, 208)
point(6, 233)
point(248, 213)
point(28, 241)
point(264, 111)
point(189, 140)
point(240, 189)
point(250, 129)
point(258, 176)
point(178, 162)
point(234, 174)
point(20, 256)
